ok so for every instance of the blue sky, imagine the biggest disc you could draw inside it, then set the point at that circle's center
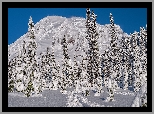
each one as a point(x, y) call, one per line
point(129, 19)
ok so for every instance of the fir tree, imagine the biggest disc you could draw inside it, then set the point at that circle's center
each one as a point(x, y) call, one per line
point(75, 69)
point(93, 65)
point(113, 56)
point(129, 62)
point(88, 37)
point(31, 68)
point(19, 73)
point(43, 72)
point(65, 65)
point(137, 63)
point(78, 80)
point(59, 77)
point(106, 65)
point(11, 75)
point(48, 66)
point(125, 62)
point(84, 78)
point(46, 69)
point(143, 53)
point(54, 71)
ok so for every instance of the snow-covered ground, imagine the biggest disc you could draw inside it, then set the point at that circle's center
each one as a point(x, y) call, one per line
point(54, 98)
point(49, 98)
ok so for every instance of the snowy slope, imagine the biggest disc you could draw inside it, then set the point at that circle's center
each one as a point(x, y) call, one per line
point(53, 98)
point(52, 29)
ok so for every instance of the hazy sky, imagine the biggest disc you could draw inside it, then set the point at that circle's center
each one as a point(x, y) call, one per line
point(129, 19)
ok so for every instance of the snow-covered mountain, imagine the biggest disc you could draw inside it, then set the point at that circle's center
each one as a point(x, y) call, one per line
point(52, 29)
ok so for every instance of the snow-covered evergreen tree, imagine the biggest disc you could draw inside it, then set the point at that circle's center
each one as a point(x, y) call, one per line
point(15, 73)
point(71, 70)
point(140, 58)
point(43, 72)
point(10, 87)
point(125, 62)
point(85, 85)
point(114, 54)
point(143, 53)
point(93, 66)
point(65, 65)
point(114, 64)
point(137, 66)
point(49, 57)
point(54, 71)
point(88, 37)
point(11, 75)
point(125, 76)
point(75, 69)
point(106, 68)
point(78, 79)
point(110, 56)
point(143, 38)
point(59, 76)
point(32, 82)
point(23, 66)
point(129, 60)
point(19, 73)
point(46, 69)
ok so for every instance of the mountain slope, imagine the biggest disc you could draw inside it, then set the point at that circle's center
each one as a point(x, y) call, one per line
point(52, 29)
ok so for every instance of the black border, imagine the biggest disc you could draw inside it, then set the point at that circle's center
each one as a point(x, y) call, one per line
point(6, 5)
